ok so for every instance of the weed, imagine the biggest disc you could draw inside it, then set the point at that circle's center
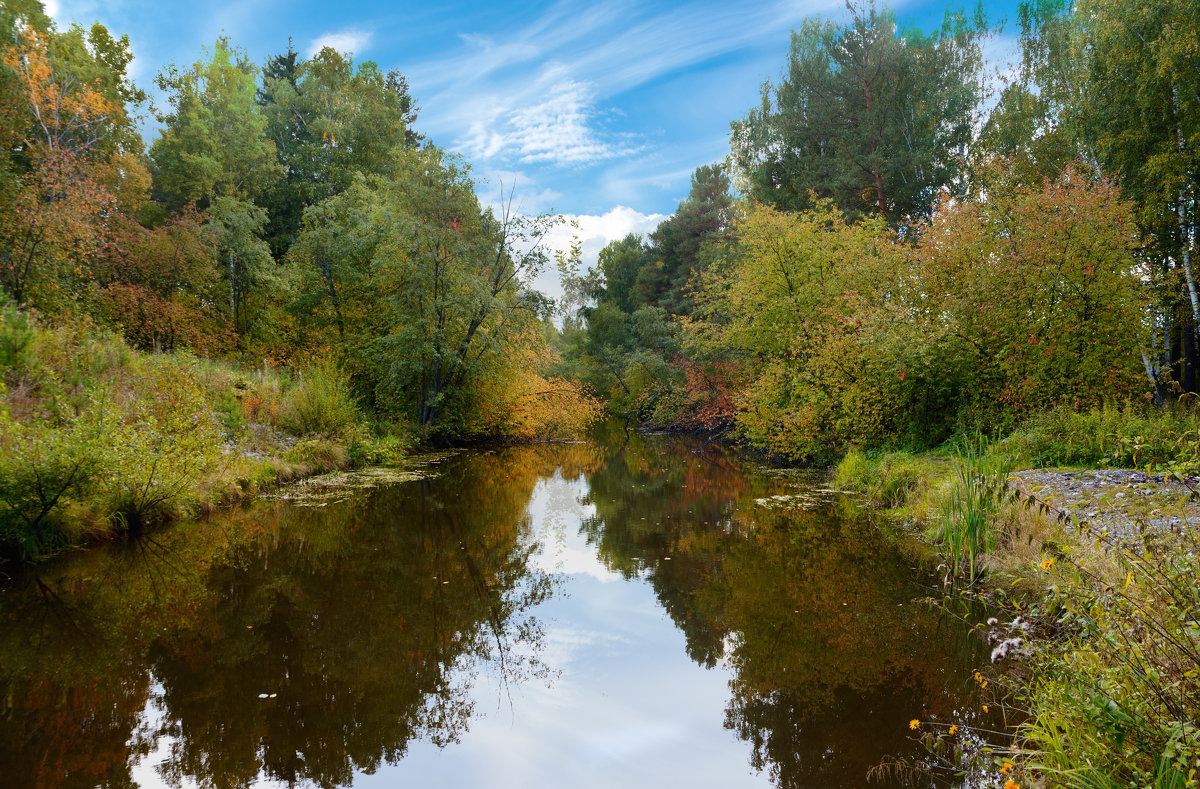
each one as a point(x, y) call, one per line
point(964, 526)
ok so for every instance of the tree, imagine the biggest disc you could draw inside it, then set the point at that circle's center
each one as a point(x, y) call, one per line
point(677, 242)
point(329, 120)
point(51, 214)
point(875, 120)
point(214, 139)
point(214, 151)
point(427, 289)
point(159, 286)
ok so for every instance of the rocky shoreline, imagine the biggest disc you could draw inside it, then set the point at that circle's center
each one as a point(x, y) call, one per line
point(1132, 508)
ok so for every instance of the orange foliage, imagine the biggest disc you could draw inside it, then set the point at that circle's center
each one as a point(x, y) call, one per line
point(54, 220)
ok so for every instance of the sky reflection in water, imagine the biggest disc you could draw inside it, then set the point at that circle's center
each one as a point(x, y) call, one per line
point(616, 612)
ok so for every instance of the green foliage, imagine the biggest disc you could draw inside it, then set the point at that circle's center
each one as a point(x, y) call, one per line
point(214, 140)
point(869, 117)
point(964, 528)
point(330, 120)
point(888, 480)
point(43, 466)
point(320, 404)
point(1114, 436)
point(161, 450)
point(1116, 699)
point(16, 335)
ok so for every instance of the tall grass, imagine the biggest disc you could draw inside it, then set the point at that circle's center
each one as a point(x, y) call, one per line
point(321, 404)
point(1116, 698)
point(888, 480)
point(1114, 436)
point(964, 526)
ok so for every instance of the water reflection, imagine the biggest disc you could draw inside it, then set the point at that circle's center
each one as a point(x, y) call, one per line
point(296, 645)
point(320, 645)
point(812, 608)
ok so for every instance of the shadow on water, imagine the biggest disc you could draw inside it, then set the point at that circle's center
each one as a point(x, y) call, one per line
point(305, 645)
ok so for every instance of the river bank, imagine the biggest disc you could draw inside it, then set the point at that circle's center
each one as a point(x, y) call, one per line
point(99, 440)
point(1090, 577)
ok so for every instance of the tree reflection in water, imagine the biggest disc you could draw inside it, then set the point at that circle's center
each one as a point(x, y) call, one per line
point(299, 645)
point(305, 645)
point(809, 605)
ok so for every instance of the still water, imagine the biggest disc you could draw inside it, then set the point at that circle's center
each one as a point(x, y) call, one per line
point(634, 611)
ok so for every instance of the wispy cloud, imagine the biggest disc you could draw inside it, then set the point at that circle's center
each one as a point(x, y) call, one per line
point(353, 41)
point(560, 129)
point(545, 94)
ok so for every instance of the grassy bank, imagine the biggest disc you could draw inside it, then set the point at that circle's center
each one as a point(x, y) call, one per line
point(97, 439)
point(1106, 675)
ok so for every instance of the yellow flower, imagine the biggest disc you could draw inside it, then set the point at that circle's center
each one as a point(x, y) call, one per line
point(1047, 564)
point(1011, 784)
point(1006, 768)
point(983, 684)
point(985, 708)
point(978, 677)
point(953, 730)
point(914, 723)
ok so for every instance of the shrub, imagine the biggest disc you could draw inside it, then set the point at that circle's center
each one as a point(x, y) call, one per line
point(164, 445)
point(321, 404)
point(43, 467)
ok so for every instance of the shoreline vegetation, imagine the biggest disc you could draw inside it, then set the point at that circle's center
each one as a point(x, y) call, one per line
point(99, 440)
point(1088, 573)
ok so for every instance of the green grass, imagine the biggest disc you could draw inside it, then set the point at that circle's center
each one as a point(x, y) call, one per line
point(1113, 436)
point(889, 480)
point(964, 528)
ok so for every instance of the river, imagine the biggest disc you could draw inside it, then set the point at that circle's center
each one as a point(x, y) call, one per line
point(629, 611)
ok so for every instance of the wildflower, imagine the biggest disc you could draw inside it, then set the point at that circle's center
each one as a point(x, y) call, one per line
point(985, 708)
point(978, 677)
point(953, 730)
point(1011, 784)
point(1047, 564)
point(983, 684)
point(913, 724)
point(1006, 769)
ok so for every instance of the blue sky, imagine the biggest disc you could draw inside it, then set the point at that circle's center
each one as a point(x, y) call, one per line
point(598, 110)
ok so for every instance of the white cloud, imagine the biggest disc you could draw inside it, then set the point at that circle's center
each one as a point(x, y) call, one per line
point(554, 125)
point(594, 231)
point(352, 41)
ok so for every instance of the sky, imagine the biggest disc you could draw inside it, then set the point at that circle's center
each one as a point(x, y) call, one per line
point(596, 110)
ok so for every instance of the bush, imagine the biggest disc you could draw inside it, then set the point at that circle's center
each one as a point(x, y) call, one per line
point(163, 447)
point(889, 480)
point(321, 404)
point(43, 467)
point(1114, 436)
